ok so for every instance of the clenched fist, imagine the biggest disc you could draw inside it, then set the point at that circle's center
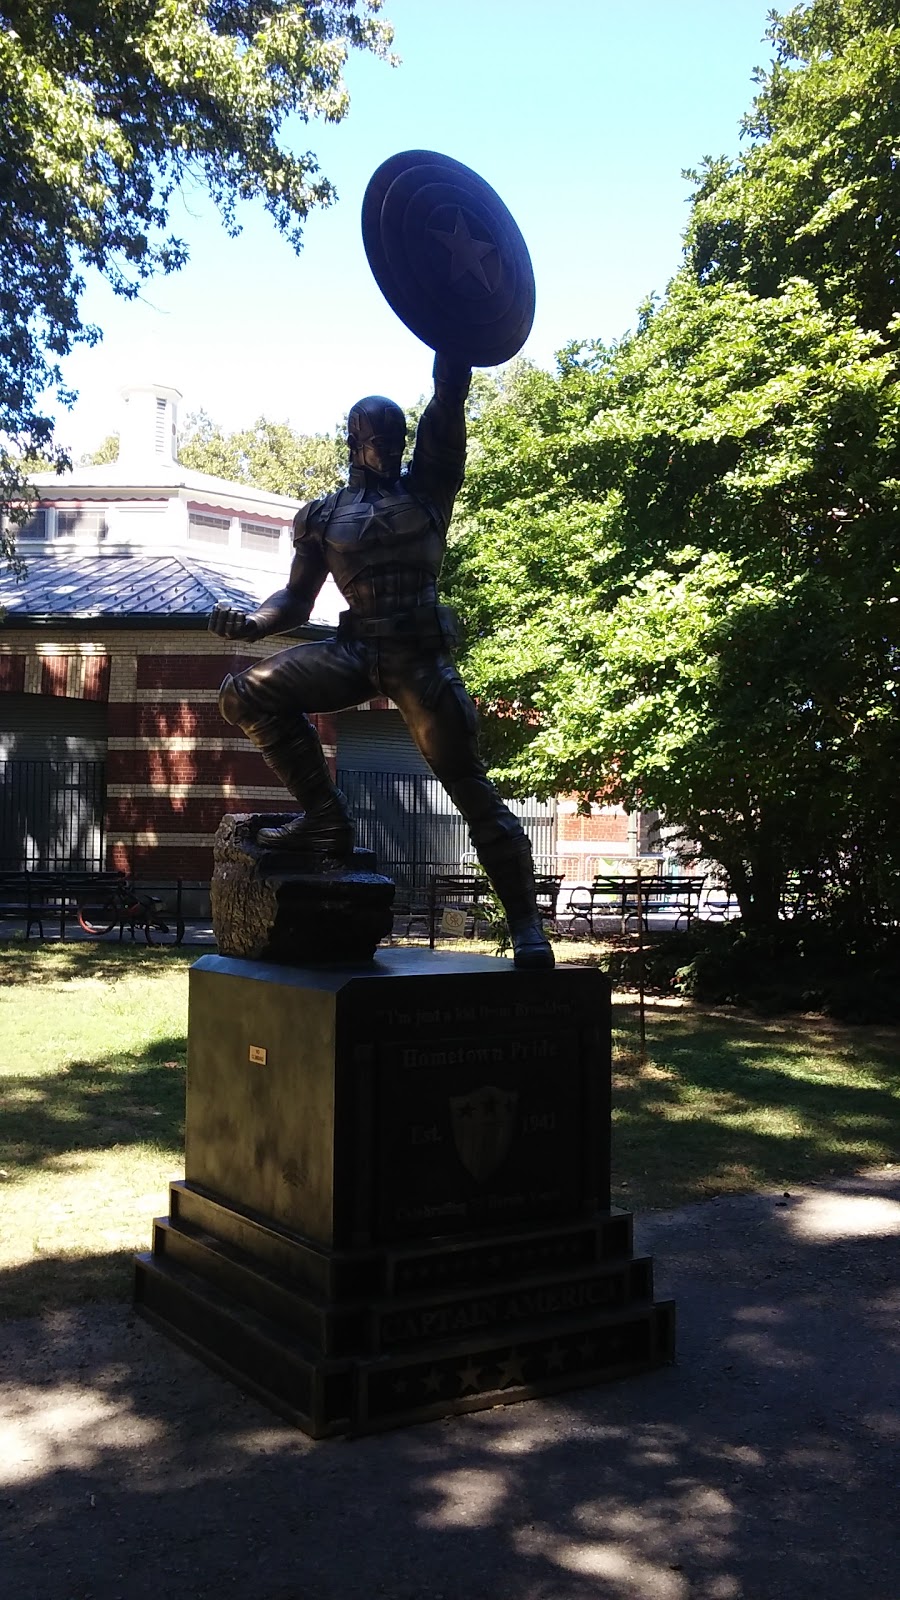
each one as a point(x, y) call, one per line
point(231, 624)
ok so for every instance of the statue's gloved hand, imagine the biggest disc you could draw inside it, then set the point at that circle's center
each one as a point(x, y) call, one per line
point(231, 624)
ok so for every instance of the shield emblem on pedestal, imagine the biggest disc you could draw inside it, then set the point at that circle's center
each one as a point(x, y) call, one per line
point(484, 1123)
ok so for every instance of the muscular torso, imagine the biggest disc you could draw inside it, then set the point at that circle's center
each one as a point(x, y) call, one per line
point(383, 547)
point(384, 543)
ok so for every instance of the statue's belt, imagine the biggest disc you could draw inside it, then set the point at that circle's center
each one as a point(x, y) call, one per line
point(425, 624)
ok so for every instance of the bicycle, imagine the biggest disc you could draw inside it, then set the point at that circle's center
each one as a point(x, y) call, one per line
point(120, 907)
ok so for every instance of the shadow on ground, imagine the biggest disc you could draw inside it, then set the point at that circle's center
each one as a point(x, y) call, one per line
point(124, 1098)
point(744, 1103)
point(764, 1466)
point(28, 962)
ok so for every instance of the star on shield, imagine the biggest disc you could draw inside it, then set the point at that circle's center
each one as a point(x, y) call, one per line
point(466, 252)
point(483, 1126)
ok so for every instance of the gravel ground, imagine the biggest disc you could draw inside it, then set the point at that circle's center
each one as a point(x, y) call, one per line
point(764, 1466)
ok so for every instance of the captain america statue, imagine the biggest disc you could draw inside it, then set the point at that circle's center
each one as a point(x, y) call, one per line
point(382, 539)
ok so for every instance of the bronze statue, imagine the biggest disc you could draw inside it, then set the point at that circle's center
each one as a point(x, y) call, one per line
point(383, 539)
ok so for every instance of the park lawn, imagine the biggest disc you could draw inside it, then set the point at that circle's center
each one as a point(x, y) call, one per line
point(726, 1102)
point(93, 1042)
point(92, 1056)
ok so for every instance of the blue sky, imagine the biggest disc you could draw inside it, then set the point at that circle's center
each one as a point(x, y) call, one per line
point(582, 115)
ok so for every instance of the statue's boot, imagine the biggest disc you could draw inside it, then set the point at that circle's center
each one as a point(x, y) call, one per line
point(326, 829)
point(326, 826)
point(291, 747)
point(509, 865)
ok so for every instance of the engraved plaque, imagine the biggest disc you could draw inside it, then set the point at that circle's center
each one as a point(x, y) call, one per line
point(483, 1313)
point(478, 1130)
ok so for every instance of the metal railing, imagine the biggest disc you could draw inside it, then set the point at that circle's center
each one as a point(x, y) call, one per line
point(411, 823)
point(51, 815)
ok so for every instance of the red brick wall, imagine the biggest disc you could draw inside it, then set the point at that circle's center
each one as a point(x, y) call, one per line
point(606, 826)
point(61, 672)
point(12, 674)
point(174, 766)
point(187, 671)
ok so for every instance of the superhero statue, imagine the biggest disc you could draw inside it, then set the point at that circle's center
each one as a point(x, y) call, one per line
point(383, 540)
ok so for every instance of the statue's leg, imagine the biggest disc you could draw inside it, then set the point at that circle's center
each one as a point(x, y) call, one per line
point(444, 723)
point(268, 701)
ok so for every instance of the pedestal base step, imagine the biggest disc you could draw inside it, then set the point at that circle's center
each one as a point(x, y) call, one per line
point(325, 1397)
point(409, 1322)
point(376, 1271)
point(353, 1341)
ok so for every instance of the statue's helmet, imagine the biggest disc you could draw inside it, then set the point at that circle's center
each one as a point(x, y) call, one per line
point(376, 435)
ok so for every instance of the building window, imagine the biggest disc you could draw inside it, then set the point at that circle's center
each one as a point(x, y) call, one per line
point(259, 536)
point(35, 527)
point(78, 522)
point(211, 530)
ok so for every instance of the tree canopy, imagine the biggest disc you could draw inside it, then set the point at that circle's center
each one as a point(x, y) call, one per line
point(816, 194)
point(676, 558)
point(110, 106)
point(271, 455)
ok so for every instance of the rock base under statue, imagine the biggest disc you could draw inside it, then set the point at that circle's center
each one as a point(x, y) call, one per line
point(291, 905)
point(396, 1202)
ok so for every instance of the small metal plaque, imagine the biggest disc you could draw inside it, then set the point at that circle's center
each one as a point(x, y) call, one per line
point(257, 1055)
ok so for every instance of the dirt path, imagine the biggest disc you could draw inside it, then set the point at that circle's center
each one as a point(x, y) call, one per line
point(765, 1466)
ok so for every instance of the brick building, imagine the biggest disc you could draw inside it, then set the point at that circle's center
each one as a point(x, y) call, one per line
point(112, 749)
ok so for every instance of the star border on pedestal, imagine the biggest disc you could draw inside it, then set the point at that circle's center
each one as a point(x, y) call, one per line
point(469, 1377)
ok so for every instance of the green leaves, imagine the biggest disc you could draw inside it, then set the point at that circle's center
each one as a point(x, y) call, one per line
point(108, 108)
point(677, 561)
point(270, 454)
point(816, 195)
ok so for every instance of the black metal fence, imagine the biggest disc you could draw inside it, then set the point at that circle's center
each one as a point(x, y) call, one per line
point(411, 823)
point(51, 815)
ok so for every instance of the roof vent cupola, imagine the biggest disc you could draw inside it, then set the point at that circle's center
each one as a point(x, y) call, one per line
point(147, 435)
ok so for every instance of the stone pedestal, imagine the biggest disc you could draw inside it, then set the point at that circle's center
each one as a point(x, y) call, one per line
point(293, 906)
point(396, 1203)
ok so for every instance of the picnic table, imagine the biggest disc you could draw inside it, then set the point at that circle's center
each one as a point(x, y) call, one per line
point(37, 896)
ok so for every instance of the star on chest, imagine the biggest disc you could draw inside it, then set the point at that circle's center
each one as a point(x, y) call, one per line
point(370, 525)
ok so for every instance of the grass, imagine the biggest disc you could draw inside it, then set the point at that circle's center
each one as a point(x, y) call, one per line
point(725, 1102)
point(92, 1054)
point(93, 1043)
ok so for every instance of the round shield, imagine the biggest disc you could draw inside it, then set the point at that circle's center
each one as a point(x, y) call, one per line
point(448, 257)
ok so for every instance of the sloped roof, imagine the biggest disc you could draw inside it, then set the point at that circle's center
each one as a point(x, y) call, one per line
point(113, 477)
point(126, 586)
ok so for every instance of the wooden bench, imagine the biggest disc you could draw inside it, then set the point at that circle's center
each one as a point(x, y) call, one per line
point(468, 891)
point(620, 896)
point(16, 902)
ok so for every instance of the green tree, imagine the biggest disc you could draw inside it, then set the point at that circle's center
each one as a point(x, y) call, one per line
point(106, 452)
point(677, 568)
point(677, 558)
point(108, 107)
point(271, 455)
point(816, 194)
